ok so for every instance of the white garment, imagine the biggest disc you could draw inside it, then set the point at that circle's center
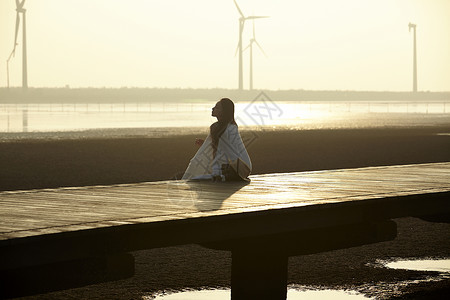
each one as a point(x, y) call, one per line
point(230, 148)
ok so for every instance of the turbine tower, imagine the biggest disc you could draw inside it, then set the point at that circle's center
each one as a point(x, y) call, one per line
point(250, 47)
point(242, 20)
point(413, 26)
point(20, 9)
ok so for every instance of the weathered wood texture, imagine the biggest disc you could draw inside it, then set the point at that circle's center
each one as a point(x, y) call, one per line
point(145, 215)
point(41, 228)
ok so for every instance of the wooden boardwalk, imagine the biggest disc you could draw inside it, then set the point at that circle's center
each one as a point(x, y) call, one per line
point(73, 223)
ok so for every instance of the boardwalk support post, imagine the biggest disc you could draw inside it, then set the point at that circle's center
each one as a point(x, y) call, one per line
point(260, 264)
point(258, 275)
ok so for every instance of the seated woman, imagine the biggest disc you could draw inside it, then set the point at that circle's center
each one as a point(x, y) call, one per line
point(222, 156)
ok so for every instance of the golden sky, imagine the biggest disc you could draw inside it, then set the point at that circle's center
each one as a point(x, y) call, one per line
point(315, 45)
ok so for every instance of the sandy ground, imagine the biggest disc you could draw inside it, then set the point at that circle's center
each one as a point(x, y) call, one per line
point(42, 163)
point(27, 164)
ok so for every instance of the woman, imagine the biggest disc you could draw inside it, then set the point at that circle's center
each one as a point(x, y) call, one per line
point(222, 156)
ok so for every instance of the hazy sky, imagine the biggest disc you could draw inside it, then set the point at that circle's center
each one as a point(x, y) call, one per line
point(318, 45)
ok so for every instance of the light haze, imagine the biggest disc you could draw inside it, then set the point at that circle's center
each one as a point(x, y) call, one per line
point(316, 45)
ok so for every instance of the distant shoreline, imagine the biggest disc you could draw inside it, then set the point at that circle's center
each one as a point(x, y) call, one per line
point(121, 95)
point(438, 123)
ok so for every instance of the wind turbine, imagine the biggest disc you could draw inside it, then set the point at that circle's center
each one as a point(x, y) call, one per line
point(250, 47)
point(413, 26)
point(20, 9)
point(242, 20)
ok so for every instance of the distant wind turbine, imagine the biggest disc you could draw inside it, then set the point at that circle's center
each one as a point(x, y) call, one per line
point(250, 47)
point(242, 20)
point(20, 9)
point(413, 26)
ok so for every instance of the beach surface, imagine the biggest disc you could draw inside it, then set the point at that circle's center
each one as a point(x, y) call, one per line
point(30, 163)
point(57, 160)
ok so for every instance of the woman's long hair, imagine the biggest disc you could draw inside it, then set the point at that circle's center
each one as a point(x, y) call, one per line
point(218, 128)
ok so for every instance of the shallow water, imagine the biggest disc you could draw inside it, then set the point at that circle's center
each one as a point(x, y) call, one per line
point(292, 295)
point(294, 115)
point(437, 265)
point(300, 293)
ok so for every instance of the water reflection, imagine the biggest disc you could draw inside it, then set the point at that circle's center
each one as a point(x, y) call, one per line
point(291, 295)
point(437, 265)
point(84, 116)
point(24, 120)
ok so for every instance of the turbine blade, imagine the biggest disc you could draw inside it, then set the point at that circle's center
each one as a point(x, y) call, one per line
point(11, 55)
point(17, 30)
point(260, 48)
point(19, 4)
point(256, 17)
point(237, 49)
point(242, 29)
point(246, 47)
point(237, 6)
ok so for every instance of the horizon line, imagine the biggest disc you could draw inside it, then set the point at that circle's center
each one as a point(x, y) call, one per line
point(220, 88)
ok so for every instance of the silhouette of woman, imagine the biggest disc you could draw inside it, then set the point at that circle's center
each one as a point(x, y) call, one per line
point(222, 156)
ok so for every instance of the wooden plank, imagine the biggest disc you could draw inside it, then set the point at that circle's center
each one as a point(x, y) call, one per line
point(30, 212)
